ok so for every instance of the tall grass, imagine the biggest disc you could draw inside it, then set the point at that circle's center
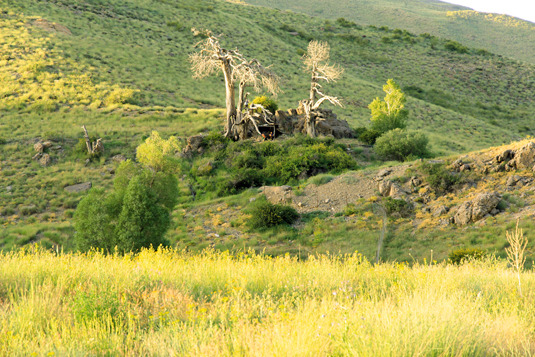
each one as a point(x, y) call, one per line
point(176, 303)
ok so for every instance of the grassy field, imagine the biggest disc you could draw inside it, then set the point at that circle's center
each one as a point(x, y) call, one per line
point(174, 303)
point(500, 34)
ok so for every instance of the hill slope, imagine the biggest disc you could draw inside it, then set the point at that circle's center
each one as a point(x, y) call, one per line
point(140, 45)
point(500, 34)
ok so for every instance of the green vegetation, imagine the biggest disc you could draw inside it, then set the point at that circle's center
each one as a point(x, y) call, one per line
point(265, 214)
point(459, 256)
point(213, 304)
point(500, 34)
point(439, 178)
point(135, 215)
point(267, 103)
point(390, 113)
point(402, 145)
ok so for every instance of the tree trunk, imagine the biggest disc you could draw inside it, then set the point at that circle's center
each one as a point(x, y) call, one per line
point(230, 100)
point(310, 121)
point(243, 129)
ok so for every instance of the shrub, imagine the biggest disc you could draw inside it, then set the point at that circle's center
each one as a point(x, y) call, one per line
point(367, 136)
point(267, 103)
point(401, 145)
point(135, 215)
point(439, 177)
point(159, 154)
point(264, 214)
point(397, 207)
point(455, 46)
point(467, 254)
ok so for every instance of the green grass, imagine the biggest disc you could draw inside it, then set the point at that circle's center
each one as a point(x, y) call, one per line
point(215, 304)
point(500, 34)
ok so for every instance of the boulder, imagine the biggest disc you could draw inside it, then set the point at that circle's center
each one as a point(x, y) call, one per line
point(382, 174)
point(194, 145)
point(513, 180)
point(440, 210)
point(39, 147)
point(118, 158)
point(504, 156)
point(45, 160)
point(81, 187)
point(384, 187)
point(479, 207)
point(525, 156)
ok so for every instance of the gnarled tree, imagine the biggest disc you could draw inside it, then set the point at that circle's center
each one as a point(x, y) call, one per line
point(317, 63)
point(211, 56)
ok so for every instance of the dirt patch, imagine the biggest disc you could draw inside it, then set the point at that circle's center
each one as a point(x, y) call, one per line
point(51, 26)
point(335, 195)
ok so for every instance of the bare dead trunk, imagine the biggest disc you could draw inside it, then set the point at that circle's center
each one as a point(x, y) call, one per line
point(87, 140)
point(230, 100)
point(310, 121)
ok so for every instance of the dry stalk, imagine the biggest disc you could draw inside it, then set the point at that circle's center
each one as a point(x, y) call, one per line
point(516, 252)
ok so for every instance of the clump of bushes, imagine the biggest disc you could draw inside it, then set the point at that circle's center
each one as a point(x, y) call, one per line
point(455, 46)
point(397, 207)
point(265, 214)
point(439, 177)
point(466, 254)
point(367, 135)
point(402, 145)
point(136, 214)
point(267, 103)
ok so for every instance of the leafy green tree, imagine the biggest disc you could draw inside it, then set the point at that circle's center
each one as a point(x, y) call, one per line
point(137, 213)
point(389, 113)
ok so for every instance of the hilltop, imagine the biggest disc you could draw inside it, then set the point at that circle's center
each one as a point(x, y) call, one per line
point(500, 34)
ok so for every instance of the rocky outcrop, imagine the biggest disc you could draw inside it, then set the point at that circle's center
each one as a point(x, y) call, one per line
point(479, 207)
point(524, 158)
point(391, 189)
point(194, 145)
point(81, 187)
point(327, 123)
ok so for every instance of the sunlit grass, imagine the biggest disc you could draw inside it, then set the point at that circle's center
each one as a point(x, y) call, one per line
point(176, 303)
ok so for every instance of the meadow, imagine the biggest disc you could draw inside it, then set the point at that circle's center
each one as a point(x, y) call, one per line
point(176, 303)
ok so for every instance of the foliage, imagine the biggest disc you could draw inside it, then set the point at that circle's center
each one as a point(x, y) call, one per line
point(459, 256)
point(135, 215)
point(397, 207)
point(265, 214)
point(390, 113)
point(267, 103)
point(402, 145)
point(439, 177)
point(455, 46)
point(367, 135)
point(159, 154)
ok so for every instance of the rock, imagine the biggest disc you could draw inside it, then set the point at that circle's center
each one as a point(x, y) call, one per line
point(286, 188)
point(415, 181)
point(195, 145)
point(81, 187)
point(205, 168)
point(39, 147)
point(504, 156)
point(457, 164)
point(327, 200)
point(384, 187)
point(118, 158)
point(494, 211)
point(37, 156)
point(9, 188)
point(45, 160)
point(47, 144)
point(479, 207)
point(465, 167)
point(382, 174)
point(252, 199)
point(513, 180)
point(440, 210)
point(397, 192)
point(525, 156)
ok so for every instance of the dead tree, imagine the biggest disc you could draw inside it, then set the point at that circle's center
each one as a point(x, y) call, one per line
point(253, 74)
point(93, 148)
point(317, 62)
point(211, 56)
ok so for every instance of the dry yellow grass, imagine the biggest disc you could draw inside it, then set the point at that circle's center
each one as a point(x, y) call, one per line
point(212, 304)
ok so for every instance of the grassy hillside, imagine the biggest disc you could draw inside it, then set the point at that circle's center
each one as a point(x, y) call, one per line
point(174, 303)
point(120, 68)
point(499, 34)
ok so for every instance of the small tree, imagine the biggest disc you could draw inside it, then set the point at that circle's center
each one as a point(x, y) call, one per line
point(390, 113)
point(316, 61)
point(211, 56)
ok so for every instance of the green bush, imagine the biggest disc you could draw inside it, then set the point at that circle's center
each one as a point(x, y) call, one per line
point(455, 46)
point(401, 145)
point(467, 254)
point(439, 177)
point(135, 215)
point(397, 207)
point(264, 214)
point(367, 136)
point(267, 103)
